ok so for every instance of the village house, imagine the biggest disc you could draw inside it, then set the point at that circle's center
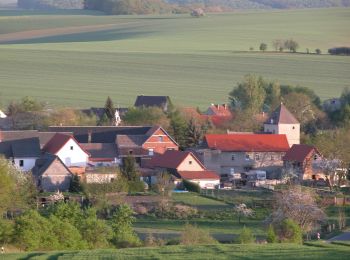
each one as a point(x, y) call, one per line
point(140, 142)
point(23, 153)
point(242, 152)
point(184, 166)
point(162, 102)
point(51, 174)
point(281, 121)
point(68, 150)
point(304, 160)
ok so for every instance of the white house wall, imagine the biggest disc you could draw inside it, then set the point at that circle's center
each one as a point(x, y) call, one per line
point(28, 163)
point(75, 157)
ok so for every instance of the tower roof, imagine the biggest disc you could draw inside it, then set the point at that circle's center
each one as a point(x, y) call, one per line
point(282, 116)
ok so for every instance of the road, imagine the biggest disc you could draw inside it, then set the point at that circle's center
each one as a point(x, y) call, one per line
point(342, 237)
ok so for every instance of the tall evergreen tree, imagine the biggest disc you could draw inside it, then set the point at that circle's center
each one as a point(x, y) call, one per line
point(110, 109)
point(129, 170)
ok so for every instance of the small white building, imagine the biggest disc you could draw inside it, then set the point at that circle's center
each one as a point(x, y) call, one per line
point(68, 150)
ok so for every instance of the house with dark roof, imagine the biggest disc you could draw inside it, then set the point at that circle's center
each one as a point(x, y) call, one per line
point(304, 160)
point(68, 150)
point(22, 152)
point(137, 141)
point(242, 152)
point(282, 121)
point(51, 174)
point(162, 102)
point(101, 154)
point(184, 166)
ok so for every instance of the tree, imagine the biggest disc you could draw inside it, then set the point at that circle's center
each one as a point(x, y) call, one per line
point(178, 127)
point(297, 204)
point(76, 185)
point(146, 116)
point(278, 45)
point(273, 95)
point(194, 133)
point(129, 170)
point(192, 235)
point(248, 95)
point(165, 184)
point(246, 236)
point(263, 47)
point(291, 45)
point(241, 210)
point(271, 235)
point(290, 232)
point(71, 117)
point(318, 51)
point(110, 110)
point(123, 234)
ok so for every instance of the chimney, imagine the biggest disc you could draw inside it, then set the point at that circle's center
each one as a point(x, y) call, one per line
point(89, 136)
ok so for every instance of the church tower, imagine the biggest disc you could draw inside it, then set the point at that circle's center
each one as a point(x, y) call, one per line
point(281, 121)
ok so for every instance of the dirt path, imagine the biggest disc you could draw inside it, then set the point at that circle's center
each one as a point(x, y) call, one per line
point(32, 34)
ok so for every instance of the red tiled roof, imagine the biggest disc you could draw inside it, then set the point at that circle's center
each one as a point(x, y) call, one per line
point(170, 159)
point(57, 142)
point(197, 175)
point(299, 152)
point(247, 142)
point(221, 110)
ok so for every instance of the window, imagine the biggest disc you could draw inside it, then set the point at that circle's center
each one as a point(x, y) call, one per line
point(131, 152)
point(21, 163)
point(150, 152)
point(257, 157)
point(247, 157)
point(232, 157)
point(190, 162)
point(293, 127)
point(315, 157)
point(72, 148)
point(160, 138)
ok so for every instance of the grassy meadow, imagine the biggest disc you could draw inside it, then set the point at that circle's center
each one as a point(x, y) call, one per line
point(253, 251)
point(195, 61)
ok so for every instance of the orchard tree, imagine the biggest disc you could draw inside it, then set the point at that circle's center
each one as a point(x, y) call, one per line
point(241, 210)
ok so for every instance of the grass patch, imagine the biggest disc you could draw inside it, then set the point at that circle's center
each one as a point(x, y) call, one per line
point(169, 55)
point(252, 251)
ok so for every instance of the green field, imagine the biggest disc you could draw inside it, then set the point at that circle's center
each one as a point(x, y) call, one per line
point(195, 61)
point(271, 251)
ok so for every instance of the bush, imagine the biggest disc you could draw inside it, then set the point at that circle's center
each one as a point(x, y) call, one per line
point(152, 241)
point(6, 231)
point(191, 186)
point(246, 236)
point(318, 51)
point(290, 232)
point(192, 235)
point(271, 235)
point(136, 186)
point(263, 47)
point(169, 211)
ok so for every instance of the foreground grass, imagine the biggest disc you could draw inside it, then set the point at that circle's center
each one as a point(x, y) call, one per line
point(253, 251)
point(169, 55)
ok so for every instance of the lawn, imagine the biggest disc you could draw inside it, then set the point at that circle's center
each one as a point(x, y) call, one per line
point(253, 251)
point(200, 202)
point(195, 61)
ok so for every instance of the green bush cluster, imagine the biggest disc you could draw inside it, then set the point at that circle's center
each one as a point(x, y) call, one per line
point(66, 226)
point(191, 186)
